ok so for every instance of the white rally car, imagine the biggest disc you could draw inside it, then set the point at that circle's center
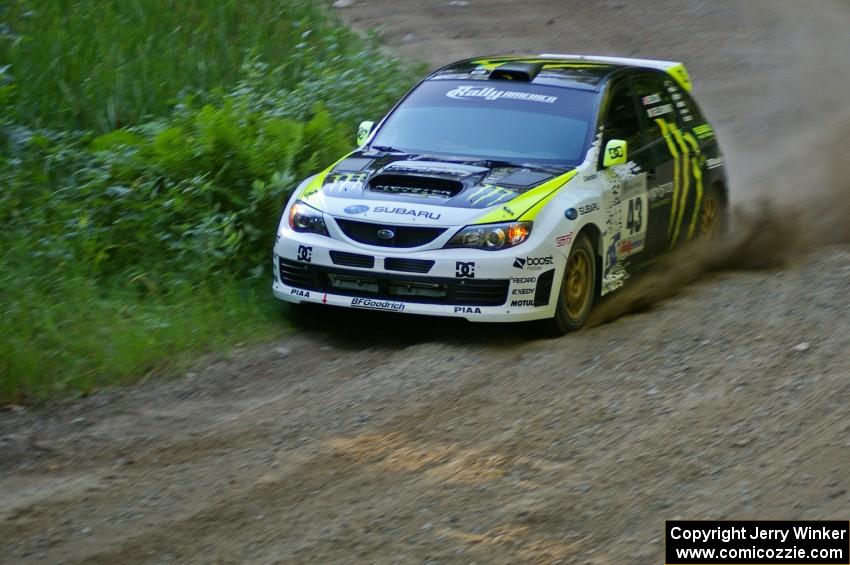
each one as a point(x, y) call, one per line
point(507, 188)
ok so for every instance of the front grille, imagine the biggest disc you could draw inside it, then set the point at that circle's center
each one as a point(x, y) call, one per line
point(295, 274)
point(415, 185)
point(402, 236)
point(408, 265)
point(352, 259)
point(405, 288)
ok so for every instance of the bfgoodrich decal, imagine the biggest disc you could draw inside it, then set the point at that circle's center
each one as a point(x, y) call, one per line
point(371, 304)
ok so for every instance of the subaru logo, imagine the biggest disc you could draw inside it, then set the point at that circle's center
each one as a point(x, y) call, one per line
point(386, 234)
point(571, 213)
point(358, 209)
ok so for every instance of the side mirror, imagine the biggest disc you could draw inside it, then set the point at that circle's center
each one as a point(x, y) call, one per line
point(615, 153)
point(363, 132)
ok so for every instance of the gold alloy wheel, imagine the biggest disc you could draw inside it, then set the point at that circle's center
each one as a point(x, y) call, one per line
point(708, 216)
point(578, 284)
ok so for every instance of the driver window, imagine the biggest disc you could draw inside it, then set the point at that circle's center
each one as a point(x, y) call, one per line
point(622, 121)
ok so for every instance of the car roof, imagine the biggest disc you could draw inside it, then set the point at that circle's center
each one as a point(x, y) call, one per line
point(585, 72)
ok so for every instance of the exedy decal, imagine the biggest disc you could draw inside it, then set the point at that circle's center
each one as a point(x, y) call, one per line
point(489, 93)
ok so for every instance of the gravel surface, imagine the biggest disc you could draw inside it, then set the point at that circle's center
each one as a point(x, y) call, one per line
point(380, 438)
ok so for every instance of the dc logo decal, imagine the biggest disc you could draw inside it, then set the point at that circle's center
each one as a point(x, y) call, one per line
point(305, 253)
point(465, 270)
point(615, 152)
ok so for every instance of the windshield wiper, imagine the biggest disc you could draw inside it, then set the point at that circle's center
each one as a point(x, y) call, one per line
point(387, 149)
point(493, 163)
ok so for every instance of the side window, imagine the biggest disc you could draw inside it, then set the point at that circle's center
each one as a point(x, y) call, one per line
point(656, 102)
point(622, 120)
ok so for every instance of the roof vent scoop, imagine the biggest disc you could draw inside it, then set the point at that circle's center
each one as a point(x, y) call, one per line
point(516, 71)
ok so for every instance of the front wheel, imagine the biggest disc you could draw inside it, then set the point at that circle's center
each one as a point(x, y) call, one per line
point(577, 291)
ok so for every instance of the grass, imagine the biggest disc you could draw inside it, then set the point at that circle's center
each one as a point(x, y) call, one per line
point(110, 63)
point(146, 150)
point(77, 335)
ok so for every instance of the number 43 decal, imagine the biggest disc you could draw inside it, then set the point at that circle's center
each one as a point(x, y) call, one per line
point(634, 215)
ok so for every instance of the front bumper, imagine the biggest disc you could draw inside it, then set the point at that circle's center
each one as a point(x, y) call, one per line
point(502, 286)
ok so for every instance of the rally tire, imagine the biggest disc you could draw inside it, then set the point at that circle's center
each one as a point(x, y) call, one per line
point(577, 290)
point(713, 219)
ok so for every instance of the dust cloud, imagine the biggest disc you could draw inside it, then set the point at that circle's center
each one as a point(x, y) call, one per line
point(787, 163)
point(787, 216)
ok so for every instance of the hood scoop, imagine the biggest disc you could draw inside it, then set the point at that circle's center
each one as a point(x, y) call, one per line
point(414, 185)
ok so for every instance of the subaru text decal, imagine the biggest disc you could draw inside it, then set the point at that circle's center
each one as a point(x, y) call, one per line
point(408, 212)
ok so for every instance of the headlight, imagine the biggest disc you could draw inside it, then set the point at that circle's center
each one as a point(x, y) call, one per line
point(492, 237)
point(305, 219)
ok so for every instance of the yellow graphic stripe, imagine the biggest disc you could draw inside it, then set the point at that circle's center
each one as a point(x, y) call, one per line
point(697, 171)
point(680, 73)
point(490, 64)
point(686, 181)
point(671, 145)
point(528, 204)
point(315, 185)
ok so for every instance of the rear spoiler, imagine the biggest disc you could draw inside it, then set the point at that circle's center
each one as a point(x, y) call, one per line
point(673, 68)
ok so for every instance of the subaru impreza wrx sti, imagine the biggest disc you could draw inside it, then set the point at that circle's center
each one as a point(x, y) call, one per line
point(505, 189)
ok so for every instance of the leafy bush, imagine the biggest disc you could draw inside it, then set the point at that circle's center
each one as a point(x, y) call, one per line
point(118, 240)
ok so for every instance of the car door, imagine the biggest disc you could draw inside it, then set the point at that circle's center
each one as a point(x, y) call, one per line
point(674, 183)
point(626, 192)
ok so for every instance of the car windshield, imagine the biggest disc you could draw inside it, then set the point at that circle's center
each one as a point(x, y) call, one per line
point(506, 121)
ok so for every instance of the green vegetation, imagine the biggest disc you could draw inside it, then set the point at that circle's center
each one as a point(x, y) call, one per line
point(146, 150)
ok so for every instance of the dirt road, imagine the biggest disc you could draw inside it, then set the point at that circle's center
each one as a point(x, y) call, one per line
point(385, 439)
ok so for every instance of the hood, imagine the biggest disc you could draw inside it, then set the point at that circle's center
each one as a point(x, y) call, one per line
point(398, 188)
